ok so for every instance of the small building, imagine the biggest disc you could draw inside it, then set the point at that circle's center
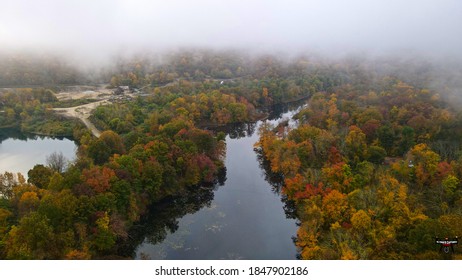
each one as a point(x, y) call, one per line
point(120, 90)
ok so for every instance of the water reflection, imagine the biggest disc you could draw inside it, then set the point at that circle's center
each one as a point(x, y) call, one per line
point(276, 181)
point(246, 218)
point(238, 130)
point(19, 151)
point(16, 134)
point(279, 112)
point(162, 219)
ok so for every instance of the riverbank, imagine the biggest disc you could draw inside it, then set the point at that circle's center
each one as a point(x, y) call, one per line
point(30, 133)
point(244, 218)
point(264, 114)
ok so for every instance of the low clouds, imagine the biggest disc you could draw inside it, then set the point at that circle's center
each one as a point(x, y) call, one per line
point(96, 28)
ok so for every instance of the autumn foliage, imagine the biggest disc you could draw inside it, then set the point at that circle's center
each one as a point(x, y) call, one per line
point(369, 172)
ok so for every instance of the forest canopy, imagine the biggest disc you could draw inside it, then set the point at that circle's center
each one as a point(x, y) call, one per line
point(373, 166)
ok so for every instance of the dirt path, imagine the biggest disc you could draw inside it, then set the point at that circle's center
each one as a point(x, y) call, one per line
point(83, 113)
point(104, 96)
point(100, 93)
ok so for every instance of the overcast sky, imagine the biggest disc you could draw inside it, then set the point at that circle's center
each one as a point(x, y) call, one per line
point(102, 26)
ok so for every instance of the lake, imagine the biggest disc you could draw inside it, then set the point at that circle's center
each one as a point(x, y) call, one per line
point(241, 216)
point(244, 218)
point(20, 152)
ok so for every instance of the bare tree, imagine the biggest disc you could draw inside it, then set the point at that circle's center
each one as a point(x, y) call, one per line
point(57, 161)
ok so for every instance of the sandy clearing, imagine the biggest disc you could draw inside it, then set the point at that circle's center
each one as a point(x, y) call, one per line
point(83, 113)
point(96, 93)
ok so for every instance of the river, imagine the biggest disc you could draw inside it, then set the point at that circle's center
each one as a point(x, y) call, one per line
point(244, 218)
point(20, 152)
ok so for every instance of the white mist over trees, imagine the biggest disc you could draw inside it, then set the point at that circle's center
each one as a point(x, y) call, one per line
point(96, 29)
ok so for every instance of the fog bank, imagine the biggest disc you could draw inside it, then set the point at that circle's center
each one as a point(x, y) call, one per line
point(99, 29)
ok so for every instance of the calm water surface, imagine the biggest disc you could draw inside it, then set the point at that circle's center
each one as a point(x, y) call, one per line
point(20, 152)
point(242, 219)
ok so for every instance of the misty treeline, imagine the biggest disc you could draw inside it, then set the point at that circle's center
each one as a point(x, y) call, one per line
point(157, 69)
point(22, 70)
point(362, 113)
point(373, 166)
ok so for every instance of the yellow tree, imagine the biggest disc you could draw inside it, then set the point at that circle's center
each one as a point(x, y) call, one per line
point(424, 162)
point(355, 145)
point(335, 207)
point(28, 202)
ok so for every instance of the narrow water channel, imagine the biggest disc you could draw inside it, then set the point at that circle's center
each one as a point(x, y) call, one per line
point(242, 219)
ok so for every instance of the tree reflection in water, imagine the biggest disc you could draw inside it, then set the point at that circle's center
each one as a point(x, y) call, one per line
point(237, 130)
point(169, 231)
point(276, 180)
point(163, 217)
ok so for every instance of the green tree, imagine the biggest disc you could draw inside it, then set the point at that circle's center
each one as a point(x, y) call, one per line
point(33, 238)
point(40, 176)
point(407, 140)
point(386, 137)
point(376, 154)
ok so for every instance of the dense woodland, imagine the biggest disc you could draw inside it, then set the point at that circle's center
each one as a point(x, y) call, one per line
point(29, 110)
point(373, 167)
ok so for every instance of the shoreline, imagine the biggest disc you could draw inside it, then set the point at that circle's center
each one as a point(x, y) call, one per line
point(264, 115)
